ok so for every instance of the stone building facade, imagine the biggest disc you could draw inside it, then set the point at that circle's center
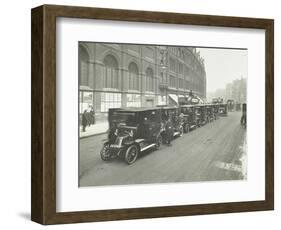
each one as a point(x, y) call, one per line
point(124, 75)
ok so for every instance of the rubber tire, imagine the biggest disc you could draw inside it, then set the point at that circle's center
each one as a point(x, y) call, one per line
point(128, 152)
point(103, 156)
point(159, 142)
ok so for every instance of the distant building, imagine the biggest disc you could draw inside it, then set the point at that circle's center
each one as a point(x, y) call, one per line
point(236, 90)
point(120, 75)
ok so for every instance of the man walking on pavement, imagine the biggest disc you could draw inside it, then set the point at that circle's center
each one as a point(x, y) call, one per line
point(169, 131)
point(84, 120)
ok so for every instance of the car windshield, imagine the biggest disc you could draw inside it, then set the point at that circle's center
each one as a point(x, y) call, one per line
point(129, 118)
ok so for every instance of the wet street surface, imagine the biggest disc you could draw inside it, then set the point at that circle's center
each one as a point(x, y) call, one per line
point(213, 152)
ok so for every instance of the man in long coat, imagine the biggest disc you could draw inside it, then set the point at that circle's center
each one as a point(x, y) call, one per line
point(243, 120)
point(85, 120)
point(169, 131)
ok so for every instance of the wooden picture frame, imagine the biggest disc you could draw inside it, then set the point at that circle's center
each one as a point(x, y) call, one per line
point(43, 189)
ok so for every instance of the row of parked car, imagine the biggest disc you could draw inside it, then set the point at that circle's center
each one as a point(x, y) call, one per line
point(135, 130)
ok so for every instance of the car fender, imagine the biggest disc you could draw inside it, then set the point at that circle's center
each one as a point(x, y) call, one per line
point(105, 141)
point(128, 143)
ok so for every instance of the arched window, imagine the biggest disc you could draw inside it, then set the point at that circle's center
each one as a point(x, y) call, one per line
point(149, 79)
point(83, 66)
point(133, 76)
point(111, 72)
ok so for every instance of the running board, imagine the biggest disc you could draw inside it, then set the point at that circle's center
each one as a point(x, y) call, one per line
point(176, 133)
point(147, 147)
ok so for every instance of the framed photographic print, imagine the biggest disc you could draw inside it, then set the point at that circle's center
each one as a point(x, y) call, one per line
point(139, 114)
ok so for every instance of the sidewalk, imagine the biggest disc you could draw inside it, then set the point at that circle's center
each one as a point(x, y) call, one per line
point(95, 129)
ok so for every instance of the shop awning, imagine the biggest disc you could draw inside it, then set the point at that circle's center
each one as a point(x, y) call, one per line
point(85, 88)
point(200, 100)
point(174, 98)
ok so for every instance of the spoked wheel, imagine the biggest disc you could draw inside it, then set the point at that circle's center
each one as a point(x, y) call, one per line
point(131, 154)
point(104, 153)
point(158, 142)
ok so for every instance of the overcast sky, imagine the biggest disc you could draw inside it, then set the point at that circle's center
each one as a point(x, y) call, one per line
point(223, 66)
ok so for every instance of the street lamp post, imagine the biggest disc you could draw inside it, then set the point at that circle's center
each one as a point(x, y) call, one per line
point(164, 67)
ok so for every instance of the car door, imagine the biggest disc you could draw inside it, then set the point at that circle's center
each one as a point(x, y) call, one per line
point(154, 124)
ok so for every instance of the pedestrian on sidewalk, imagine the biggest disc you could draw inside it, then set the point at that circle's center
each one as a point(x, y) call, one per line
point(181, 118)
point(243, 120)
point(169, 131)
point(92, 115)
point(84, 120)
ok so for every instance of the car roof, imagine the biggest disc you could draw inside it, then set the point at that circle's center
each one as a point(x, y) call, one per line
point(199, 105)
point(137, 109)
point(187, 106)
point(167, 107)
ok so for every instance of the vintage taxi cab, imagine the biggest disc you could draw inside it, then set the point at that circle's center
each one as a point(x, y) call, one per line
point(173, 113)
point(210, 110)
point(132, 131)
point(230, 105)
point(216, 111)
point(223, 109)
point(190, 120)
point(201, 114)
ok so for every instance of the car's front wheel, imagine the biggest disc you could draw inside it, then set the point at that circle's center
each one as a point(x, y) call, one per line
point(158, 142)
point(104, 153)
point(131, 154)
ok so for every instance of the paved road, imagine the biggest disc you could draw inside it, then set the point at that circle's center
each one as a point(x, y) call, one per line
point(215, 151)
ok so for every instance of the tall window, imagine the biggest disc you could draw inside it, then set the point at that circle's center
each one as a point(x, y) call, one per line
point(181, 84)
point(149, 79)
point(110, 72)
point(172, 64)
point(173, 81)
point(186, 72)
point(180, 68)
point(83, 66)
point(162, 77)
point(110, 100)
point(186, 84)
point(133, 76)
point(133, 100)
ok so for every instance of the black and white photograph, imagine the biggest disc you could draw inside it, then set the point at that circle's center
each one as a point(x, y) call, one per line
point(151, 114)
